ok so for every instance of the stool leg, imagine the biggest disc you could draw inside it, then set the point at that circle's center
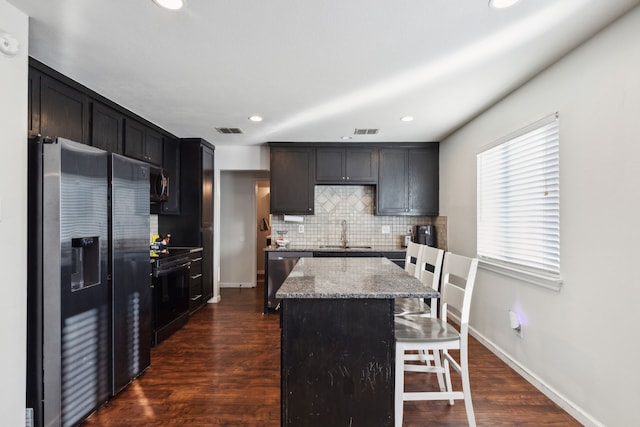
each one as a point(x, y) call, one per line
point(399, 385)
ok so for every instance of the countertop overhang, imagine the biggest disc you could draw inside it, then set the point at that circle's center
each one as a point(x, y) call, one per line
point(349, 278)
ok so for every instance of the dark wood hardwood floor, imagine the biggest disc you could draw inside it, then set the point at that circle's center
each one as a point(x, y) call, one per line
point(223, 369)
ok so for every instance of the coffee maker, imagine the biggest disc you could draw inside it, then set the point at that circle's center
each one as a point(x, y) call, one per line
point(425, 235)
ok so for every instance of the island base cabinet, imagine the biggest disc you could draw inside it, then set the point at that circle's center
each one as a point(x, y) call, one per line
point(337, 362)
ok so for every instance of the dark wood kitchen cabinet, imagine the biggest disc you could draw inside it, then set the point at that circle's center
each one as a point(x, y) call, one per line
point(33, 104)
point(142, 142)
point(107, 128)
point(408, 181)
point(346, 166)
point(194, 226)
point(171, 168)
point(196, 299)
point(64, 111)
point(292, 180)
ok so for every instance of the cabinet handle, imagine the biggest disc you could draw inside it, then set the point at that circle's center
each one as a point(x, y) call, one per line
point(197, 276)
point(195, 298)
point(348, 178)
point(196, 259)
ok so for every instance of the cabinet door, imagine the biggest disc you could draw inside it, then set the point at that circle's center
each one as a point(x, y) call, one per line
point(153, 146)
point(34, 101)
point(107, 128)
point(392, 191)
point(330, 165)
point(207, 222)
point(423, 181)
point(361, 166)
point(171, 168)
point(134, 136)
point(64, 111)
point(292, 180)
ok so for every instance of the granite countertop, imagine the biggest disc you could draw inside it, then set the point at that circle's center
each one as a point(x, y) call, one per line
point(345, 278)
point(335, 248)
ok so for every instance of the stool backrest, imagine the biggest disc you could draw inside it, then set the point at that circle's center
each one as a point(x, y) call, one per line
point(458, 280)
point(432, 257)
point(414, 252)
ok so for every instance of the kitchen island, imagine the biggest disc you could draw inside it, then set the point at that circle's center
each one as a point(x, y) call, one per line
point(338, 350)
point(279, 261)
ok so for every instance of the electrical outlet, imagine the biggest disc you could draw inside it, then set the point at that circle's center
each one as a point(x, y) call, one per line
point(301, 229)
point(515, 323)
point(386, 229)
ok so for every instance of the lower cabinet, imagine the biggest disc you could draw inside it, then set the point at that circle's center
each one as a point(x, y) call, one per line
point(196, 298)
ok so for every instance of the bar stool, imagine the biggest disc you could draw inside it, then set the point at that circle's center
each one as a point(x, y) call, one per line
point(435, 335)
point(430, 259)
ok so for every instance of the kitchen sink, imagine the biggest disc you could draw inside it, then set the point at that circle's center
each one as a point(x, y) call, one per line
point(343, 247)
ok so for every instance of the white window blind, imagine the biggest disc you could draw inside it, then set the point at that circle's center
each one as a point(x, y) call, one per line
point(519, 202)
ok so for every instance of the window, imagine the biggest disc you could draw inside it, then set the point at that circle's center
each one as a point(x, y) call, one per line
point(519, 204)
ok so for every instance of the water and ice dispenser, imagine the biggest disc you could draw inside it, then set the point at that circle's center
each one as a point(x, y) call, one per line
point(85, 262)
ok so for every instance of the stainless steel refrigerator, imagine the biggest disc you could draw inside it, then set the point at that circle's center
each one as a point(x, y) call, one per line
point(80, 304)
point(130, 270)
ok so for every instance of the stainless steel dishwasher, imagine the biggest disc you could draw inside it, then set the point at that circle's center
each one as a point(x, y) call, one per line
point(279, 265)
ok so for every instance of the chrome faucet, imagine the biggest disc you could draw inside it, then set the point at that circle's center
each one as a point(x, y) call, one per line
point(343, 234)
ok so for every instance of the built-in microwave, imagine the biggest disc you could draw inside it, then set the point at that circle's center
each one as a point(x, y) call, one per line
point(159, 185)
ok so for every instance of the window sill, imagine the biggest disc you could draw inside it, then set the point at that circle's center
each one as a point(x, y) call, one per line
point(548, 282)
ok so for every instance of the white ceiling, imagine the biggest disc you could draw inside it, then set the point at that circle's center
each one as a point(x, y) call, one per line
point(315, 70)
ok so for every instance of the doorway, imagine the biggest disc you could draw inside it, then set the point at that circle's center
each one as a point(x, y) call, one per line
point(238, 231)
point(263, 226)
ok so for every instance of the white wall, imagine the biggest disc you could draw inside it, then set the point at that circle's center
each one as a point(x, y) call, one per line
point(232, 158)
point(13, 218)
point(581, 343)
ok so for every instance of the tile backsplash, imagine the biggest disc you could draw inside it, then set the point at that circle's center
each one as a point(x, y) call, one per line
point(153, 225)
point(354, 204)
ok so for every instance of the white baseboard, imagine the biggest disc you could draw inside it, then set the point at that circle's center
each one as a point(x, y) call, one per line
point(572, 409)
point(214, 300)
point(237, 285)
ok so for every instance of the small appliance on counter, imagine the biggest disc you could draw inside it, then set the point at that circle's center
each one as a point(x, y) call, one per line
point(281, 241)
point(425, 235)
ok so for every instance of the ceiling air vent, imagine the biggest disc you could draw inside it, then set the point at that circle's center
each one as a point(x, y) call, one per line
point(366, 131)
point(229, 130)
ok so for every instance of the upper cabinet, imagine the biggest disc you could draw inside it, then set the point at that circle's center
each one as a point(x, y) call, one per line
point(61, 107)
point(142, 142)
point(292, 180)
point(408, 181)
point(106, 128)
point(406, 175)
point(64, 111)
point(346, 166)
point(34, 102)
point(171, 168)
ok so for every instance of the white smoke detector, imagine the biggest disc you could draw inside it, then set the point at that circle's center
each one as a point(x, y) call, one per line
point(8, 44)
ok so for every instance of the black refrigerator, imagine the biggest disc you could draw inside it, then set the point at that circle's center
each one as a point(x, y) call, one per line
point(81, 302)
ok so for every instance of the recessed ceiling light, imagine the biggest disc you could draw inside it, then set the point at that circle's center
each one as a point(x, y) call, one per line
point(502, 4)
point(255, 118)
point(407, 118)
point(345, 137)
point(170, 4)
